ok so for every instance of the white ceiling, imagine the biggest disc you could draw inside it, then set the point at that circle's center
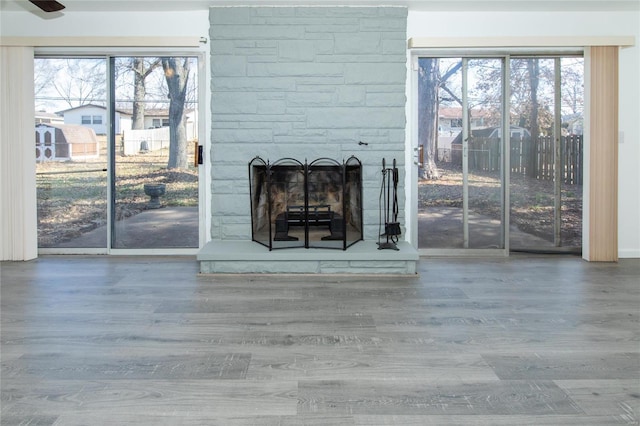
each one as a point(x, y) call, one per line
point(435, 5)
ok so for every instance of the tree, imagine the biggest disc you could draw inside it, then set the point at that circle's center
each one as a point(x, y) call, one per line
point(431, 83)
point(141, 70)
point(428, 104)
point(573, 86)
point(70, 82)
point(533, 70)
point(44, 72)
point(176, 72)
point(83, 83)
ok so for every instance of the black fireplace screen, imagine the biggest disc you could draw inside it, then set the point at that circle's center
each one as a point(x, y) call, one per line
point(310, 205)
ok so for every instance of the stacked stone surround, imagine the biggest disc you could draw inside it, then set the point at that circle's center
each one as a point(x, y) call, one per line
point(303, 83)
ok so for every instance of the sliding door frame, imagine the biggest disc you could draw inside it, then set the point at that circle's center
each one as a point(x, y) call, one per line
point(506, 54)
point(204, 172)
point(411, 177)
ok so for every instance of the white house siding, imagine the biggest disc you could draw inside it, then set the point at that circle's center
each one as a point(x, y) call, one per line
point(74, 116)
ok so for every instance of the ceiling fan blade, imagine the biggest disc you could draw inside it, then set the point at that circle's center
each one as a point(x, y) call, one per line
point(48, 5)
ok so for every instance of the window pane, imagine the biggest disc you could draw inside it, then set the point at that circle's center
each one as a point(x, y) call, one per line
point(155, 180)
point(546, 162)
point(71, 160)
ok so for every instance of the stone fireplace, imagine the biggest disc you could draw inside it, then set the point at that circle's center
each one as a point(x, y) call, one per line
point(304, 83)
point(309, 205)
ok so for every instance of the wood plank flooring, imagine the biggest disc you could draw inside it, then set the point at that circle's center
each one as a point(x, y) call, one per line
point(147, 341)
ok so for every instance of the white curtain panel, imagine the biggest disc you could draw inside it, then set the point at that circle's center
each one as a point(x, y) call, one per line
point(18, 208)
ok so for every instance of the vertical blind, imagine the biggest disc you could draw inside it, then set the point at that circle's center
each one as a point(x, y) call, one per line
point(18, 209)
point(602, 210)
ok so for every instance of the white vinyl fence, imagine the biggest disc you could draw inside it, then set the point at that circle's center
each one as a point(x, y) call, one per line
point(140, 141)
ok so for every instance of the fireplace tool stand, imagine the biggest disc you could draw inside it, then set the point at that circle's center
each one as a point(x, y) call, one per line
point(389, 208)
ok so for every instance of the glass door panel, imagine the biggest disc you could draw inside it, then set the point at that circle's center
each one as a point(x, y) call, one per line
point(115, 145)
point(440, 201)
point(71, 152)
point(484, 153)
point(571, 98)
point(546, 154)
point(460, 185)
point(155, 177)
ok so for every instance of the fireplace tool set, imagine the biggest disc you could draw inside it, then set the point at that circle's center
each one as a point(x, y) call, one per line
point(389, 207)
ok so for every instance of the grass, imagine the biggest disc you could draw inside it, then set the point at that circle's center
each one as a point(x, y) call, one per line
point(72, 195)
point(531, 201)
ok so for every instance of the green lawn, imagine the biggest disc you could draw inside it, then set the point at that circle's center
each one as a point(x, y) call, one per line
point(72, 195)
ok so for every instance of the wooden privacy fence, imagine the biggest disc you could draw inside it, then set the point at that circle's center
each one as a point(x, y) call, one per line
point(537, 162)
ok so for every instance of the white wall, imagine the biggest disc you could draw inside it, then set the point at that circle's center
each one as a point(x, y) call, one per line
point(117, 24)
point(516, 24)
point(130, 24)
point(420, 24)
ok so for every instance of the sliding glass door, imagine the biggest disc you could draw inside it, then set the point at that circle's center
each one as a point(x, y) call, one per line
point(71, 152)
point(116, 142)
point(546, 160)
point(154, 137)
point(461, 187)
point(499, 149)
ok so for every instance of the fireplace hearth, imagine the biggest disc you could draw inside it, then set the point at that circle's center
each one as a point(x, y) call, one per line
point(309, 205)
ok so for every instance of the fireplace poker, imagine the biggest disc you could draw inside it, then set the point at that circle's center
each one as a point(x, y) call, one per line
point(389, 205)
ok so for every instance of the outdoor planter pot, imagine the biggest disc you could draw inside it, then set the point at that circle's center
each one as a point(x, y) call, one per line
point(154, 191)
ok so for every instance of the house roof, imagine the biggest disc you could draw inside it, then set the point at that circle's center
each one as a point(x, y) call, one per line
point(81, 107)
point(148, 112)
point(90, 106)
point(456, 112)
point(50, 115)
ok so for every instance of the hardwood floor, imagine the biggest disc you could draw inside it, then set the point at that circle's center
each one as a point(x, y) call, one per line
point(140, 340)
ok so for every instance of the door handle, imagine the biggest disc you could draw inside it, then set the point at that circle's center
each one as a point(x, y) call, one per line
point(198, 157)
point(418, 158)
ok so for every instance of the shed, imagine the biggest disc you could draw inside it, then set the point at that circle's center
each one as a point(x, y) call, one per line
point(57, 142)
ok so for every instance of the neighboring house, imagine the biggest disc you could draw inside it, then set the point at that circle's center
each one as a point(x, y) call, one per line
point(156, 136)
point(450, 120)
point(60, 142)
point(95, 117)
point(450, 125)
point(573, 124)
point(484, 147)
point(158, 118)
point(47, 117)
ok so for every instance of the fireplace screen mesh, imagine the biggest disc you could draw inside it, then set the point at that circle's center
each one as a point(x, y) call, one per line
point(310, 205)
